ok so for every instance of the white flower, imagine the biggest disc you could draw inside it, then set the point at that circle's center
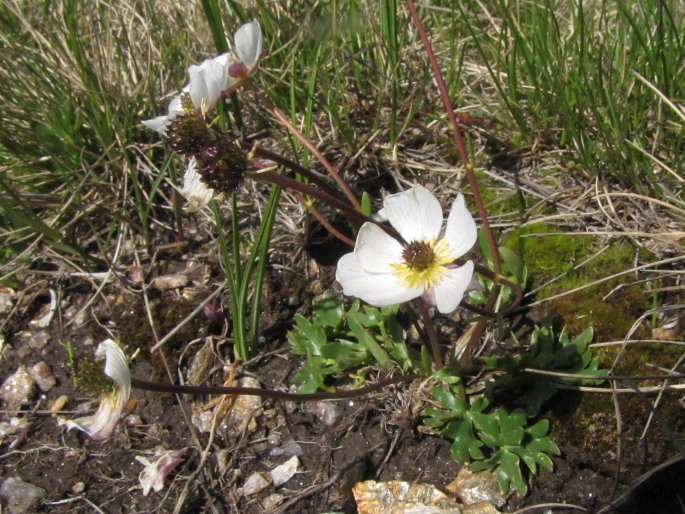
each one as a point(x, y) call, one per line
point(207, 81)
point(100, 426)
point(383, 271)
point(157, 468)
point(196, 193)
point(248, 47)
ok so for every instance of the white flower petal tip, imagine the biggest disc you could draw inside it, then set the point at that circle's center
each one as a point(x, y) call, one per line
point(196, 193)
point(208, 80)
point(101, 425)
point(248, 45)
point(157, 467)
point(382, 271)
point(160, 123)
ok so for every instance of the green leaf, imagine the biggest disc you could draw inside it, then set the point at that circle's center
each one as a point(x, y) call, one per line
point(539, 429)
point(367, 206)
point(465, 445)
point(487, 426)
point(381, 356)
point(511, 427)
point(448, 400)
point(509, 474)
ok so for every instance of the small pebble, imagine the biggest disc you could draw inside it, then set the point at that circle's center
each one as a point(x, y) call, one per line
point(167, 282)
point(42, 376)
point(78, 488)
point(254, 484)
point(19, 496)
point(281, 474)
point(328, 413)
point(7, 296)
point(17, 389)
point(59, 404)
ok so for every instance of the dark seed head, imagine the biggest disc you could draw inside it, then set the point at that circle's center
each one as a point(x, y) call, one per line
point(418, 255)
point(222, 165)
point(188, 134)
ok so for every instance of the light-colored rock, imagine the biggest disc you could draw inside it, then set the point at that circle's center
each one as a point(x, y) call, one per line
point(474, 488)
point(17, 389)
point(254, 484)
point(78, 488)
point(272, 501)
point(42, 376)
point(7, 297)
point(398, 497)
point(284, 472)
point(19, 496)
point(14, 425)
point(241, 415)
point(328, 412)
point(167, 282)
point(201, 364)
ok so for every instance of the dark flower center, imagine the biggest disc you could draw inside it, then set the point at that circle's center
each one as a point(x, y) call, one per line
point(418, 255)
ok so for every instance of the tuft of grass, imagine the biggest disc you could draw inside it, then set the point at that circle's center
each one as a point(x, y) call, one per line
point(76, 79)
point(566, 75)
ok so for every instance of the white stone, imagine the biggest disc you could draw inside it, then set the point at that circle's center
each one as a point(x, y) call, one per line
point(20, 497)
point(281, 474)
point(42, 375)
point(254, 484)
point(17, 389)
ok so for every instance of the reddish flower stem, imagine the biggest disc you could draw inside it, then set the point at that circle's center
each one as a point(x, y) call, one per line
point(456, 135)
point(285, 121)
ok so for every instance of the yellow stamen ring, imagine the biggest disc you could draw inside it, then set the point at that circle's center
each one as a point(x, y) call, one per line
point(428, 274)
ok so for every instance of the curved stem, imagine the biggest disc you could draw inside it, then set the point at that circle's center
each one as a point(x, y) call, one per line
point(324, 222)
point(456, 135)
point(269, 393)
point(285, 121)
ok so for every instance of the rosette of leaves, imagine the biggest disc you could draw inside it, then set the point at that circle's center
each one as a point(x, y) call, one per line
point(496, 440)
point(547, 351)
point(337, 339)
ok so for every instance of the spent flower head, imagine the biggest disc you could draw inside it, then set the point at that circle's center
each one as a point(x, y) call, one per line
point(100, 426)
point(384, 271)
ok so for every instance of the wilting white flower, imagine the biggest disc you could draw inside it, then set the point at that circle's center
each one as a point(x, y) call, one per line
point(100, 426)
point(207, 81)
point(157, 468)
point(196, 193)
point(248, 47)
point(383, 271)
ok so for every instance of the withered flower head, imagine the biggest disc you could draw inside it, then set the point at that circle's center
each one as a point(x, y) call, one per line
point(222, 165)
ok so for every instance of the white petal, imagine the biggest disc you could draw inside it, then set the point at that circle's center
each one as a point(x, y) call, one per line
point(461, 232)
point(101, 425)
point(196, 193)
point(208, 80)
point(116, 366)
point(158, 124)
point(415, 213)
point(450, 290)
point(248, 44)
point(376, 250)
point(379, 289)
point(157, 468)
